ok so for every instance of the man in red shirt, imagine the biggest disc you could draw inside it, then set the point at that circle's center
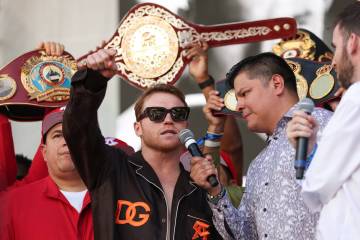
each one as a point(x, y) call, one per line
point(56, 207)
point(8, 167)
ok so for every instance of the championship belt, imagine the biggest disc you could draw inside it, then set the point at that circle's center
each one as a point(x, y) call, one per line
point(33, 82)
point(314, 80)
point(227, 93)
point(150, 42)
point(310, 59)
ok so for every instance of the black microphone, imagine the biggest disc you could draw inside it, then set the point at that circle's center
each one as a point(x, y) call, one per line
point(306, 105)
point(186, 137)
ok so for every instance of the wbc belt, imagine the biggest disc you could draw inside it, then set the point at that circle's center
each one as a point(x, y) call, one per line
point(150, 42)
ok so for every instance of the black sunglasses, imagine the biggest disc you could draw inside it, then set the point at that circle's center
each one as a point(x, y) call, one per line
point(158, 114)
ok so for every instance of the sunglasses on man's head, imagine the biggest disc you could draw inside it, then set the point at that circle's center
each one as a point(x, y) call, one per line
point(158, 114)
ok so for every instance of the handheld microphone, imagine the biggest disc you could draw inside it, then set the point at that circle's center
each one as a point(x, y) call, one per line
point(306, 105)
point(186, 137)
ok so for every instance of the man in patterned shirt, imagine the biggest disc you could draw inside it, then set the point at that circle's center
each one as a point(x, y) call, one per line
point(271, 207)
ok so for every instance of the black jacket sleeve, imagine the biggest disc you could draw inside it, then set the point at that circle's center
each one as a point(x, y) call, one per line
point(87, 147)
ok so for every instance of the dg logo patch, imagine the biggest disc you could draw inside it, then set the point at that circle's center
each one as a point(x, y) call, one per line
point(135, 214)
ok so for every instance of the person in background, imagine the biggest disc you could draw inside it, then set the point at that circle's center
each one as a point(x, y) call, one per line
point(37, 168)
point(57, 206)
point(332, 182)
point(8, 167)
point(231, 142)
point(271, 206)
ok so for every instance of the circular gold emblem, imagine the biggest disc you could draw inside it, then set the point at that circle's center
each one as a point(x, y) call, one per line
point(7, 87)
point(323, 83)
point(150, 47)
point(230, 100)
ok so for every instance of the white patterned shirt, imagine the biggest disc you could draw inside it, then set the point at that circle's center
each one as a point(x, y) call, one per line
point(272, 206)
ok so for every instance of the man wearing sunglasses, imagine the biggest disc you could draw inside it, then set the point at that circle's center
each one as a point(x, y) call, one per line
point(148, 195)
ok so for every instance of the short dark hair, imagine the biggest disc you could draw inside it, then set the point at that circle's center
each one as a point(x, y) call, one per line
point(164, 88)
point(23, 164)
point(263, 65)
point(349, 19)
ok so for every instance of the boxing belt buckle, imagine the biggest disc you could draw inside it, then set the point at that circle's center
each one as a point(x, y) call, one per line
point(150, 42)
point(33, 82)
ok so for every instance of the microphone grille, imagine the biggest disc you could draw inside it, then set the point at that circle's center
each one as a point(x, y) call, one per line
point(306, 105)
point(185, 134)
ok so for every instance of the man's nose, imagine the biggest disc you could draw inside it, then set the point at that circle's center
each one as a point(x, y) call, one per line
point(239, 105)
point(63, 142)
point(168, 118)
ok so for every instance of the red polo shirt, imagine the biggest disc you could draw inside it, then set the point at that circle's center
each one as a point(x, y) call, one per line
point(40, 211)
point(8, 166)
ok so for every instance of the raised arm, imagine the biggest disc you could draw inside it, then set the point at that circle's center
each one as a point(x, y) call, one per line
point(80, 125)
point(231, 142)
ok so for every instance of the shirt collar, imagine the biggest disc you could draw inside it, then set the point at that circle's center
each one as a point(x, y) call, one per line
point(282, 122)
point(51, 190)
point(290, 112)
point(183, 184)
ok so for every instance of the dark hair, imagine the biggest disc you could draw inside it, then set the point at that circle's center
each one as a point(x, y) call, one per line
point(264, 66)
point(23, 164)
point(164, 88)
point(349, 19)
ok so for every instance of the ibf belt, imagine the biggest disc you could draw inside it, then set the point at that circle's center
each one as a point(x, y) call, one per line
point(150, 42)
point(33, 82)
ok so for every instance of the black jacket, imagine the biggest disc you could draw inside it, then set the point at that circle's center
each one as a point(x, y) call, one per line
point(128, 201)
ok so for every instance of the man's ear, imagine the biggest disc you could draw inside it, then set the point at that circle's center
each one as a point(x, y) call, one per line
point(43, 151)
point(138, 129)
point(278, 84)
point(352, 44)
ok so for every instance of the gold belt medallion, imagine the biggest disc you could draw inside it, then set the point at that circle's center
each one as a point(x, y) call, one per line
point(323, 84)
point(230, 100)
point(301, 83)
point(150, 47)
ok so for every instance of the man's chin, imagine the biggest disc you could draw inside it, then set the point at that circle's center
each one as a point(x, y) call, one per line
point(169, 146)
point(67, 165)
point(68, 169)
point(251, 127)
point(255, 129)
